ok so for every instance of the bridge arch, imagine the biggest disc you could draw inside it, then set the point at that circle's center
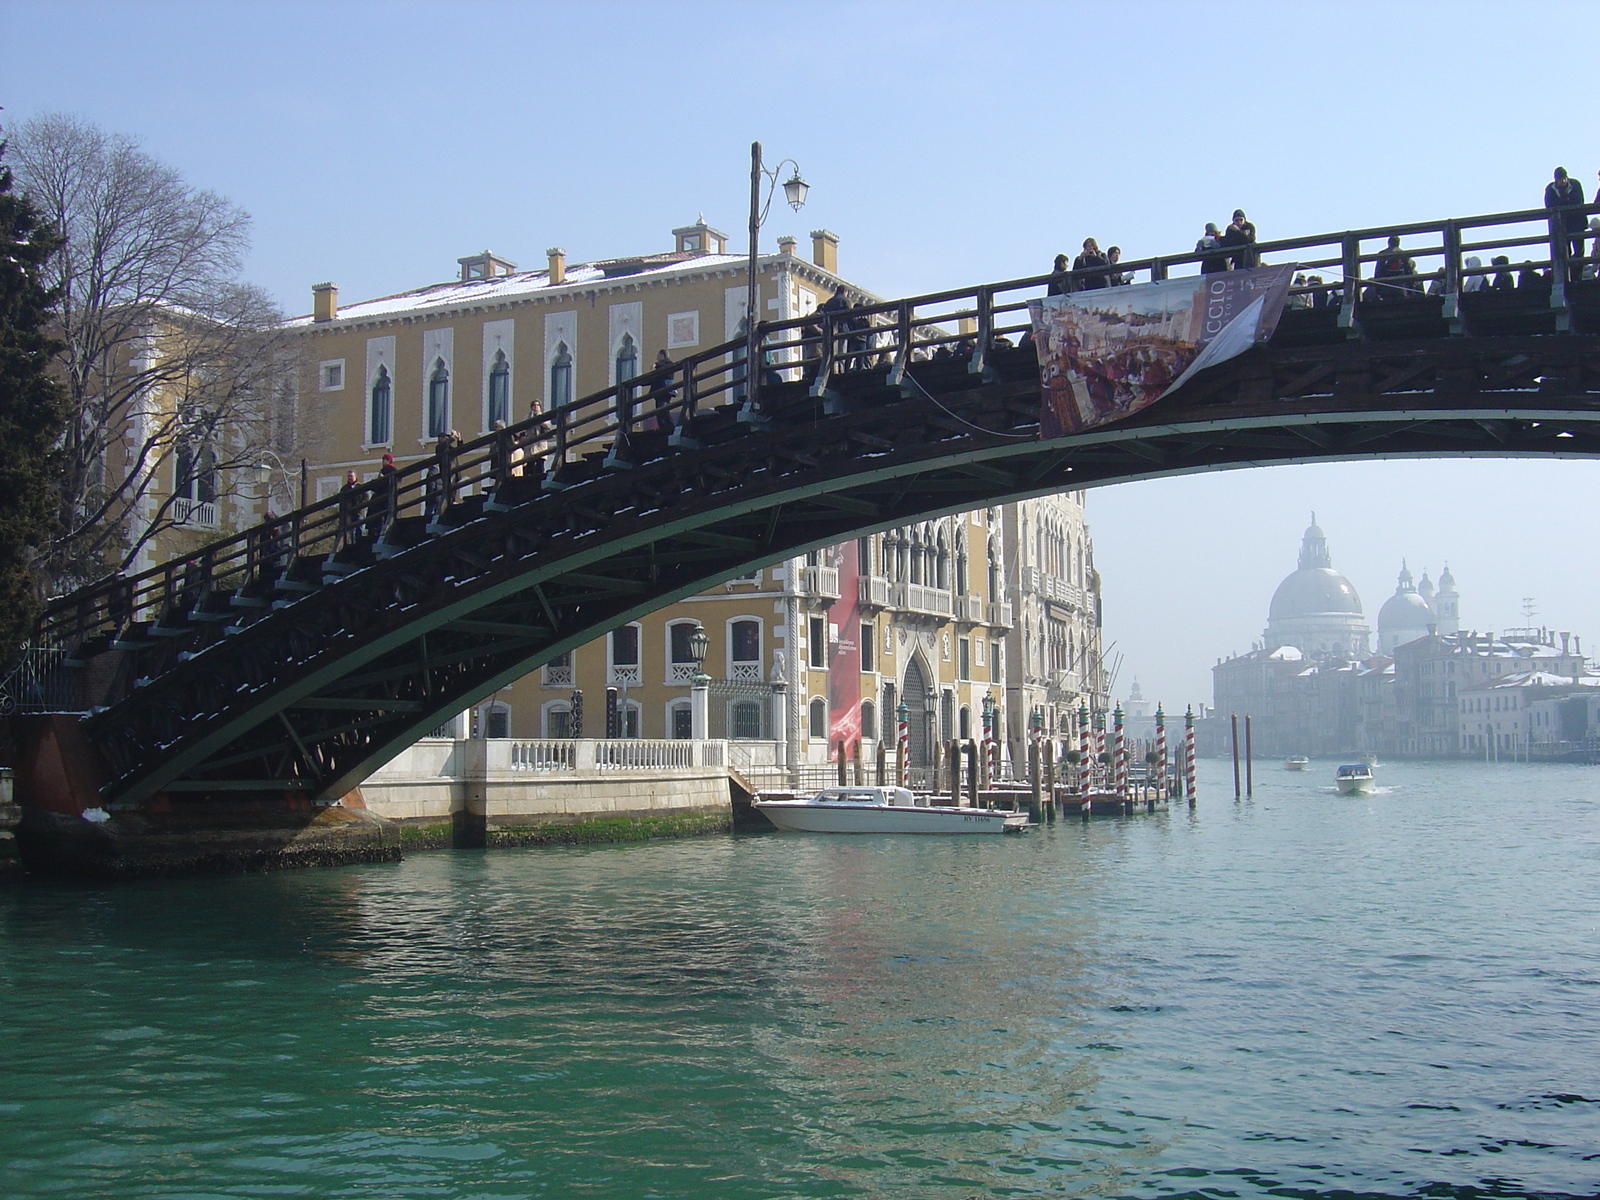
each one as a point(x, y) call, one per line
point(304, 656)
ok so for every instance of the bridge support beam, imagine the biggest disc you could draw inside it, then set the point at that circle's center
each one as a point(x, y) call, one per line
point(65, 831)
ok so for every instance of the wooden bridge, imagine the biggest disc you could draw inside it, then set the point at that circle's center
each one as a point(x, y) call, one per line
point(299, 655)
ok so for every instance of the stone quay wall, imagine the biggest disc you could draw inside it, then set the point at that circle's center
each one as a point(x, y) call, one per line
point(508, 792)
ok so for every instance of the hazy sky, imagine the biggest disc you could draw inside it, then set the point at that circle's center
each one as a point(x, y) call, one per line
point(947, 144)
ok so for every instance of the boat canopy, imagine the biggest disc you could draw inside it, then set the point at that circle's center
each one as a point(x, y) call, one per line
point(892, 796)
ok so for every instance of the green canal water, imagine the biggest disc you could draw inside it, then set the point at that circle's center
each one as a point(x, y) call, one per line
point(1299, 995)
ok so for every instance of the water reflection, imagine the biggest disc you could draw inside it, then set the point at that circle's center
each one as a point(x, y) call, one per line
point(1294, 995)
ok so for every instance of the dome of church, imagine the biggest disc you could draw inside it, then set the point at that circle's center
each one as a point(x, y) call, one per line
point(1404, 611)
point(1405, 616)
point(1311, 591)
point(1316, 587)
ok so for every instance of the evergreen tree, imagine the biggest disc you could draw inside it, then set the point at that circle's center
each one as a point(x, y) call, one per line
point(31, 409)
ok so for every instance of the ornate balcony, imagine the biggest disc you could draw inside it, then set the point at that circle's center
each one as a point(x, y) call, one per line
point(821, 583)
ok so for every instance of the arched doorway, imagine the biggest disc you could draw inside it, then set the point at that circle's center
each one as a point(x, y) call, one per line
point(914, 692)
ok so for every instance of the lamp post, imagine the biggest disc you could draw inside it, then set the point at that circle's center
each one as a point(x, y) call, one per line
point(699, 689)
point(270, 462)
point(794, 191)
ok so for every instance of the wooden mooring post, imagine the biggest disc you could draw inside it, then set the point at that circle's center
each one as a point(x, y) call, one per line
point(1249, 760)
point(1049, 766)
point(1233, 720)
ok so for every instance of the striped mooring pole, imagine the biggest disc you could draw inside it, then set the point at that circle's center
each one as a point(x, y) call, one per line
point(1188, 753)
point(1161, 748)
point(1085, 762)
point(1119, 754)
point(902, 757)
point(1100, 749)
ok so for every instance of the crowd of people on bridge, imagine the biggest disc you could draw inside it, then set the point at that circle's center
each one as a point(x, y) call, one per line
point(1394, 275)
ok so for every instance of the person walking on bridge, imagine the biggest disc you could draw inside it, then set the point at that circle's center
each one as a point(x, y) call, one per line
point(350, 496)
point(380, 509)
point(1213, 260)
point(1394, 274)
point(1564, 197)
point(1118, 278)
point(1240, 240)
point(1091, 260)
point(1060, 285)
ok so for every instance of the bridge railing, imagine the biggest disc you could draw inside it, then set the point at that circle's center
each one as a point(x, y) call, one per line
point(296, 551)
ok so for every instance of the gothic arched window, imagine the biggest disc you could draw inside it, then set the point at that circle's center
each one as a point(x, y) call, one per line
point(561, 376)
point(438, 399)
point(627, 361)
point(499, 389)
point(380, 410)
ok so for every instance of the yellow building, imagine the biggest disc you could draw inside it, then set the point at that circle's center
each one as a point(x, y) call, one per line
point(805, 653)
point(192, 422)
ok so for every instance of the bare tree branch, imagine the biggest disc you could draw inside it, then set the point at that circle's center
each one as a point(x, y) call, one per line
point(166, 351)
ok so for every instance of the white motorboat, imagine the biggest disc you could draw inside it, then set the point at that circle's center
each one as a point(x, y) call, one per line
point(882, 810)
point(1353, 779)
point(1296, 762)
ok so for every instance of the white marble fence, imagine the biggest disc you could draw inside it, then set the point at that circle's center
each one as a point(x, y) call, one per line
point(612, 754)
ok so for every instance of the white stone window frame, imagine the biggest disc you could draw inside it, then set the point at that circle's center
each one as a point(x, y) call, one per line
point(815, 660)
point(438, 347)
point(671, 709)
point(554, 674)
point(811, 719)
point(499, 337)
point(327, 367)
point(676, 674)
point(679, 338)
point(628, 674)
point(636, 709)
point(380, 354)
point(547, 709)
point(626, 321)
point(745, 670)
point(559, 327)
point(488, 709)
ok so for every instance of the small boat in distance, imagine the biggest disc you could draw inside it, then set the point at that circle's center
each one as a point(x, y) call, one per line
point(1296, 762)
point(1353, 779)
point(882, 810)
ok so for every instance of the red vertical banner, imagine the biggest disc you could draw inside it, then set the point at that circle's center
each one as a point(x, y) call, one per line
point(844, 647)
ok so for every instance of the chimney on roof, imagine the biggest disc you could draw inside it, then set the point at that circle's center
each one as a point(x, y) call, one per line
point(1564, 638)
point(558, 264)
point(324, 301)
point(484, 266)
point(825, 250)
point(787, 244)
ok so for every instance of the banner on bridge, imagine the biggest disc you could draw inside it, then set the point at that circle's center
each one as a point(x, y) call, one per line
point(1107, 354)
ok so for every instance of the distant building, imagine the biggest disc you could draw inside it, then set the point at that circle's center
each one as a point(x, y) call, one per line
point(1315, 609)
point(1431, 691)
point(1436, 674)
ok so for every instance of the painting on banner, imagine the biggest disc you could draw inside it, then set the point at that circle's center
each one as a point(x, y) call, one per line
point(1107, 354)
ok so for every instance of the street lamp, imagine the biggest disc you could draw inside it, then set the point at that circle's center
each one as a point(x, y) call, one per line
point(794, 191)
point(264, 469)
point(699, 688)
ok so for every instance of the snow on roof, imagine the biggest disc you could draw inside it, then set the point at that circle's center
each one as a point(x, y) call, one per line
point(1527, 679)
point(1286, 654)
point(458, 292)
